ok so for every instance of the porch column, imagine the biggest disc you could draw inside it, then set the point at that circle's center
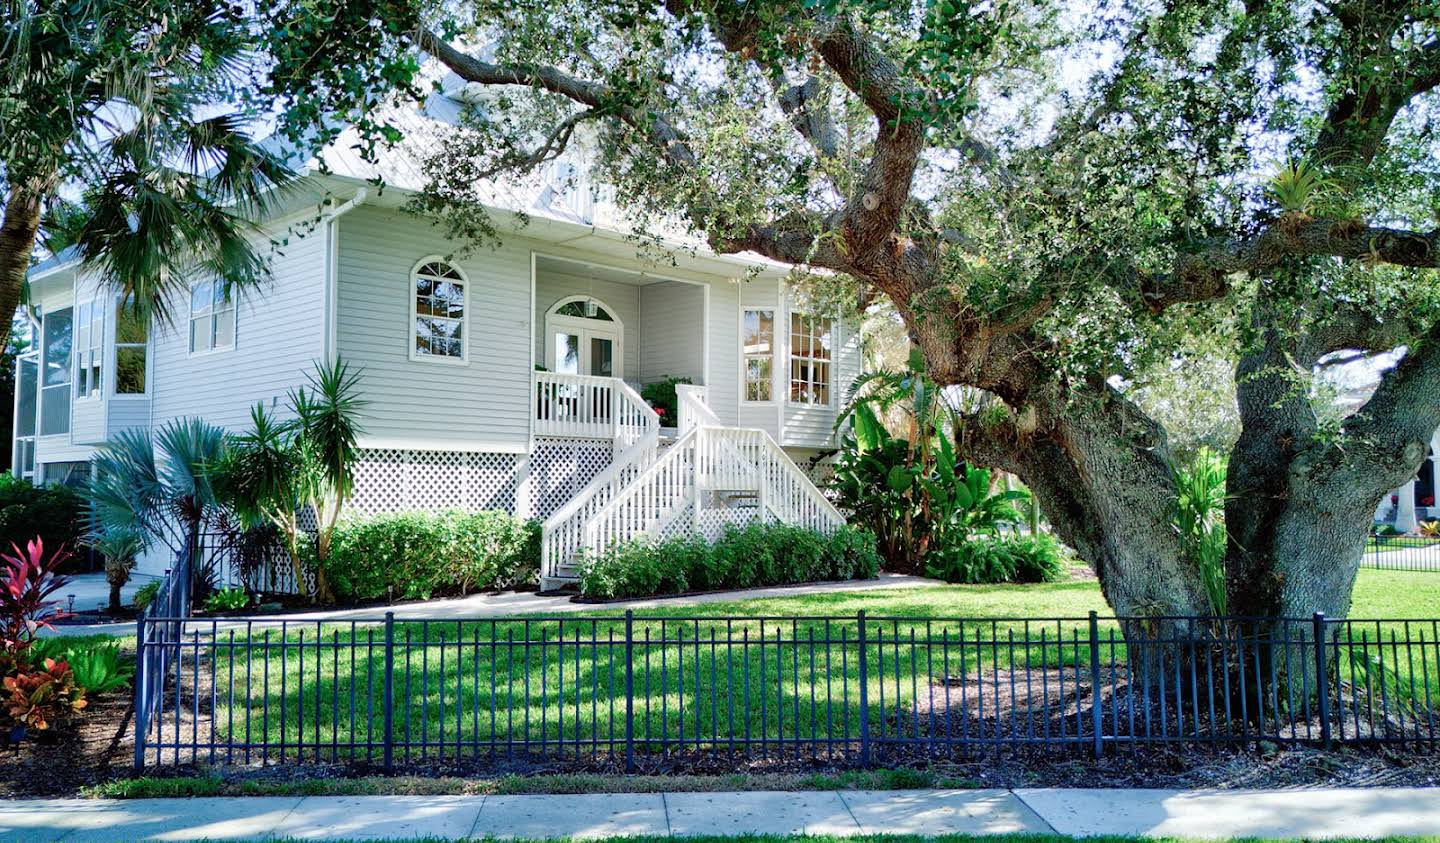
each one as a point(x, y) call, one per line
point(1405, 509)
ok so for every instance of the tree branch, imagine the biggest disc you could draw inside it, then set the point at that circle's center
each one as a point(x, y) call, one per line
point(1203, 275)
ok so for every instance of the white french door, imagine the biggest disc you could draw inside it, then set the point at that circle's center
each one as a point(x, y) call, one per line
point(581, 349)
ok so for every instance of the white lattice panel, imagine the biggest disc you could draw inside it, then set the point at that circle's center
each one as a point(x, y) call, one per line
point(391, 480)
point(561, 467)
point(714, 521)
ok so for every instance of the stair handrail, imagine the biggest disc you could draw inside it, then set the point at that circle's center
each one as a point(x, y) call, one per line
point(682, 447)
point(804, 482)
point(637, 434)
point(694, 407)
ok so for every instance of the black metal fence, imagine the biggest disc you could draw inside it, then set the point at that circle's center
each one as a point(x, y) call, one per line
point(160, 637)
point(1402, 553)
point(852, 689)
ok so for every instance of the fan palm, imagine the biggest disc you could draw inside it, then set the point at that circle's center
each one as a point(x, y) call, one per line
point(166, 193)
point(158, 487)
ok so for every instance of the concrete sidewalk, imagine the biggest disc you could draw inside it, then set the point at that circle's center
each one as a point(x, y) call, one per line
point(1317, 813)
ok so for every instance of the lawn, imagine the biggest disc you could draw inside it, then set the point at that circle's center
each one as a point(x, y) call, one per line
point(463, 686)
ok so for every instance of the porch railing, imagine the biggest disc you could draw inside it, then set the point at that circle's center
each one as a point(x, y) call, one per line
point(588, 407)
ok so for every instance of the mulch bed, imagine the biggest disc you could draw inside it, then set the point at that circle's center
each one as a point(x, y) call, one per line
point(97, 746)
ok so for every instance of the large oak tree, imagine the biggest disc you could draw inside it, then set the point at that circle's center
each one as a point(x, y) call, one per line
point(1056, 201)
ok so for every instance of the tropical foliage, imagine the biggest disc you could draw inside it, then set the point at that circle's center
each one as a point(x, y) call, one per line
point(159, 487)
point(278, 471)
point(910, 490)
point(1200, 521)
point(138, 102)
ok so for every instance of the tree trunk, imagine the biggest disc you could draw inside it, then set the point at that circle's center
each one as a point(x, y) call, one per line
point(115, 605)
point(1101, 473)
point(17, 245)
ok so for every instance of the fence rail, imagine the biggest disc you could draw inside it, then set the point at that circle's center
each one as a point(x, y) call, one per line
point(1402, 553)
point(159, 639)
point(852, 689)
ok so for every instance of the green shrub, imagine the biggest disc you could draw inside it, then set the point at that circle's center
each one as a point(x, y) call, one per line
point(417, 555)
point(748, 557)
point(54, 513)
point(661, 395)
point(998, 559)
point(227, 600)
point(145, 594)
point(97, 667)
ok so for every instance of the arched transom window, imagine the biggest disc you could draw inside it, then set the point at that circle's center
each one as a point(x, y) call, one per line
point(439, 304)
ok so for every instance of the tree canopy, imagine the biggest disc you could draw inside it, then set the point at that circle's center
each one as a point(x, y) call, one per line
point(1060, 202)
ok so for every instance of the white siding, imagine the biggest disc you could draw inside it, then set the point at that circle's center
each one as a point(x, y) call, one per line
point(279, 335)
point(762, 293)
point(812, 426)
point(724, 350)
point(480, 405)
point(672, 314)
point(622, 299)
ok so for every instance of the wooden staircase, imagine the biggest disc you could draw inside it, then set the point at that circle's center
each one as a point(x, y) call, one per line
point(710, 476)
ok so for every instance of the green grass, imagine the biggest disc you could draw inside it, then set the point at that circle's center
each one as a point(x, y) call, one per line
point(567, 683)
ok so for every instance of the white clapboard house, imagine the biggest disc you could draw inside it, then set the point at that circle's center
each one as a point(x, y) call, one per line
point(503, 377)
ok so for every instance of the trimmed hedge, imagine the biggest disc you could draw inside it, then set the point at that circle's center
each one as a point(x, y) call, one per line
point(54, 513)
point(1028, 558)
point(418, 555)
point(749, 557)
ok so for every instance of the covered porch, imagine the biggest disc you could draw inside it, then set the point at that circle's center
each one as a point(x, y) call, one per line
point(599, 321)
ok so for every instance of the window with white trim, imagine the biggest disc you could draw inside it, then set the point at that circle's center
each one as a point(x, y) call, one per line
point(89, 348)
point(131, 343)
point(438, 310)
point(757, 345)
point(811, 341)
point(212, 317)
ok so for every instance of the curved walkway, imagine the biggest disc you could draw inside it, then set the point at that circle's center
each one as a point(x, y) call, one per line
point(1309, 814)
point(511, 603)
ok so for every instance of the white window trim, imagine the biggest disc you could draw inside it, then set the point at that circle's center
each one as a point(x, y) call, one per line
point(465, 324)
point(553, 320)
point(832, 364)
point(190, 320)
point(113, 355)
point(94, 395)
point(774, 355)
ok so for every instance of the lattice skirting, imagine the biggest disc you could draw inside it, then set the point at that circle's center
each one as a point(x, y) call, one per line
point(561, 467)
point(390, 480)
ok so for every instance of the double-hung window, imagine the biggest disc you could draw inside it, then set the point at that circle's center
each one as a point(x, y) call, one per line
point(212, 317)
point(811, 352)
point(131, 337)
point(757, 341)
point(90, 348)
point(438, 306)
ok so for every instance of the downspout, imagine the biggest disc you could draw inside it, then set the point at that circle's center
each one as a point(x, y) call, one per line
point(332, 272)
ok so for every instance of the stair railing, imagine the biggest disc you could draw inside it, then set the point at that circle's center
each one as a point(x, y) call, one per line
point(637, 437)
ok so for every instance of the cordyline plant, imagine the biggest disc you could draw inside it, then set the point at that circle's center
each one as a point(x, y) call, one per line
point(31, 578)
point(279, 472)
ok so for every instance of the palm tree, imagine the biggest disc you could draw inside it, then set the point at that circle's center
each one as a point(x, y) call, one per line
point(159, 488)
point(163, 193)
point(119, 549)
point(279, 470)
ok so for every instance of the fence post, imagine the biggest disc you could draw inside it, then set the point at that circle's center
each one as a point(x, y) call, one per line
point(142, 702)
point(629, 691)
point(864, 691)
point(389, 691)
point(1096, 710)
point(1322, 683)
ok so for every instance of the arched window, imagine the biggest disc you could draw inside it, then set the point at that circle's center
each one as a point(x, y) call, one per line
point(438, 303)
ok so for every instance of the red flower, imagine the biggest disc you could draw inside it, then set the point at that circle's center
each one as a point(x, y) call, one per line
point(1428, 500)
